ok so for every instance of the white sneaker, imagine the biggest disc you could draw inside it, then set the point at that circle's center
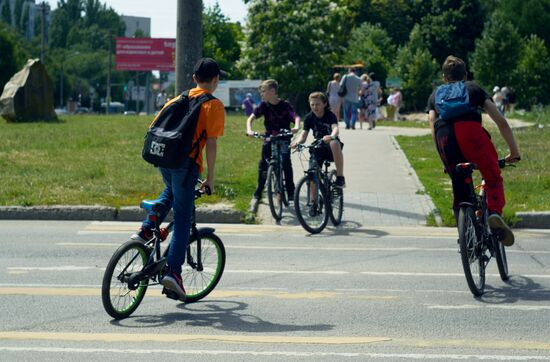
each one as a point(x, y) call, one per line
point(497, 222)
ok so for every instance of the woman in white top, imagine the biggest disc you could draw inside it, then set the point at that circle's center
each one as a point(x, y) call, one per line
point(334, 100)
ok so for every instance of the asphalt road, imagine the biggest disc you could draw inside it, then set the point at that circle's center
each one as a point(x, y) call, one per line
point(351, 294)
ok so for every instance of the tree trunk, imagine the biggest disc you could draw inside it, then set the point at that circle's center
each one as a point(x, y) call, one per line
point(188, 42)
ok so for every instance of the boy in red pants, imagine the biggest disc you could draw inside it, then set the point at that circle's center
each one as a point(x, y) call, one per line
point(455, 121)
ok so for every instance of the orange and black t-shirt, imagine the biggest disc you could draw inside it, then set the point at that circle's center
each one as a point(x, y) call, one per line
point(211, 119)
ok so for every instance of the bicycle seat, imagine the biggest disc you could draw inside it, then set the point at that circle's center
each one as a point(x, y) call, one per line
point(466, 167)
point(155, 206)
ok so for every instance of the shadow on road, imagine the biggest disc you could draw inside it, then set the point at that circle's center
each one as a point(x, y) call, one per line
point(518, 288)
point(223, 315)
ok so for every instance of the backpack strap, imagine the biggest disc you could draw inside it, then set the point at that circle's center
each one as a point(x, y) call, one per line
point(205, 97)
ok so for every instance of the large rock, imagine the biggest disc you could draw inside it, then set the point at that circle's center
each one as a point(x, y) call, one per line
point(28, 96)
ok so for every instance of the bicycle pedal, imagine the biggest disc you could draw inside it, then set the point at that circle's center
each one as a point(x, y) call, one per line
point(170, 294)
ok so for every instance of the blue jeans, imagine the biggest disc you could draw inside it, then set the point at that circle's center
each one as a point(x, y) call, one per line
point(179, 193)
point(350, 113)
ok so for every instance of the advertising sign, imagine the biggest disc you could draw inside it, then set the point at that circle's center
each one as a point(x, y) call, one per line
point(233, 92)
point(145, 54)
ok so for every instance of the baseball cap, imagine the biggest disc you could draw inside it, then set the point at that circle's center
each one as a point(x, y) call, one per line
point(207, 68)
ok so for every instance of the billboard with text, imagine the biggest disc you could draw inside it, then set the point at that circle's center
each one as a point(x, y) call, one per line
point(143, 54)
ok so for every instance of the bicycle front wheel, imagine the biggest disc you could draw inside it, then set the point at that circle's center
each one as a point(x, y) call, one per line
point(274, 193)
point(205, 262)
point(121, 290)
point(502, 262)
point(310, 203)
point(471, 251)
point(336, 200)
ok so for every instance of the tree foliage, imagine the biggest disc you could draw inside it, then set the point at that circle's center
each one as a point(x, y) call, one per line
point(528, 16)
point(418, 70)
point(299, 53)
point(532, 73)
point(371, 45)
point(496, 55)
point(13, 54)
point(451, 27)
point(221, 39)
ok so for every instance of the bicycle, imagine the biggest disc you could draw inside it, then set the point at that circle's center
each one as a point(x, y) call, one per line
point(477, 242)
point(134, 264)
point(317, 198)
point(276, 195)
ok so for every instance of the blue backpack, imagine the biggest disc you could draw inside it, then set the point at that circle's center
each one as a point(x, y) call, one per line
point(452, 100)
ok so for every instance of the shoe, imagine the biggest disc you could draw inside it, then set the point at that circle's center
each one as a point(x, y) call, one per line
point(172, 281)
point(143, 235)
point(505, 234)
point(340, 182)
point(313, 210)
point(254, 203)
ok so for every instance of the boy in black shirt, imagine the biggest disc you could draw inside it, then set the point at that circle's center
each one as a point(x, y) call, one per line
point(278, 114)
point(460, 137)
point(325, 126)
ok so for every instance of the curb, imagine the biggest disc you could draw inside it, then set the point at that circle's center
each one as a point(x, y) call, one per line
point(428, 200)
point(533, 220)
point(216, 213)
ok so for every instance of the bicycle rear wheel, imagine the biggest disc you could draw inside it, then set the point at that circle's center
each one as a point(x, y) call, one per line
point(199, 279)
point(121, 290)
point(471, 251)
point(502, 262)
point(274, 193)
point(311, 205)
point(336, 200)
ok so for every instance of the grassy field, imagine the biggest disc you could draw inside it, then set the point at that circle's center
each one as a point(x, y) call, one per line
point(97, 160)
point(527, 186)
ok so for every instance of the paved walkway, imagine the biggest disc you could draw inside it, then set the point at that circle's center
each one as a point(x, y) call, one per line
point(382, 189)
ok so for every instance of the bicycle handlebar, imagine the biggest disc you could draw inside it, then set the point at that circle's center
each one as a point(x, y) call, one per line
point(470, 166)
point(282, 133)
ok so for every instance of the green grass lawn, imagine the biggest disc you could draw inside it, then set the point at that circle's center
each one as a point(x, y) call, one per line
point(527, 186)
point(97, 160)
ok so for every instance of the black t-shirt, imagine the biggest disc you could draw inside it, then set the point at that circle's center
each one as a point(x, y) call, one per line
point(276, 116)
point(477, 99)
point(320, 126)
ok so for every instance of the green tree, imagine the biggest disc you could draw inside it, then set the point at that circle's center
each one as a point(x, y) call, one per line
point(417, 69)
point(528, 16)
point(299, 54)
point(372, 45)
point(13, 53)
point(451, 27)
point(532, 73)
point(496, 55)
point(5, 12)
point(221, 39)
point(396, 17)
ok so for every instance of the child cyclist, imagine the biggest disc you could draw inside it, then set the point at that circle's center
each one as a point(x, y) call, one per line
point(278, 114)
point(456, 127)
point(179, 191)
point(325, 126)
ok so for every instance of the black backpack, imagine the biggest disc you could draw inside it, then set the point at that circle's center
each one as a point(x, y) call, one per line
point(169, 140)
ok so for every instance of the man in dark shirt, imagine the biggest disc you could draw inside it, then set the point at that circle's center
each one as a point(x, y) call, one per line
point(461, 138)
point(278, 114)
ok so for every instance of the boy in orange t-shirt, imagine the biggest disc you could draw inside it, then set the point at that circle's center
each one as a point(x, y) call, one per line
point(179, 193)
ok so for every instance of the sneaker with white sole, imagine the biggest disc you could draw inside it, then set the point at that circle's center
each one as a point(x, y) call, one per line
point(496, 222)
point(143, 235)
point(173, 282)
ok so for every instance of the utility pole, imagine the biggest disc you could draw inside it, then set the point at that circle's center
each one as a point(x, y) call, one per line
point(188, 42)
point(108, 100)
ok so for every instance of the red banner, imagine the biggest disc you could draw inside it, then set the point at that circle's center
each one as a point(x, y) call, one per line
point(145, 54)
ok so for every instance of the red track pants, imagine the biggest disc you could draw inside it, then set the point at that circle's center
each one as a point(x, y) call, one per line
point(467, 141)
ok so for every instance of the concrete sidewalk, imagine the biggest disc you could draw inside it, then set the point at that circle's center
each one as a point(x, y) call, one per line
point(381, 187)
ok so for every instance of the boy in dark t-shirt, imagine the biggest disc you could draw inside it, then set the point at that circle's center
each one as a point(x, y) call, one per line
point(278, 114)
point(324, 125)
point(461, 138)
